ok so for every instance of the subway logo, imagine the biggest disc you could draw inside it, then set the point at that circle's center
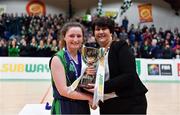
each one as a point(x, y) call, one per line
point(30, 68)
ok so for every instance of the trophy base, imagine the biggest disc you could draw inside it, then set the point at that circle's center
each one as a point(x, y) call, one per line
point(86, 86)
point(85, 81)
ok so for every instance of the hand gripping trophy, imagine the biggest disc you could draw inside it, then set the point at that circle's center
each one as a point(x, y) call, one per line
point(90, 54)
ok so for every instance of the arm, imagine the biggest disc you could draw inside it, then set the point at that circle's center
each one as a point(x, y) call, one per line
point(59, 77)
point(125, 69)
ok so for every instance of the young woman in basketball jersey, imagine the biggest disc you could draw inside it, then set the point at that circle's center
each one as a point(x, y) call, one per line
point(65, 69)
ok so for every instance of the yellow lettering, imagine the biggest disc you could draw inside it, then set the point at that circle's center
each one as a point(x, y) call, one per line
point(12, 67)
point(4, 68)
point(20, 68)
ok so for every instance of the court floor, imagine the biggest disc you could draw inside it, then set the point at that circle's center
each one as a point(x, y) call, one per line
point(163, 97)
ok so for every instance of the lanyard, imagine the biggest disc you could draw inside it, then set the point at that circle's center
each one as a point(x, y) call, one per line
point(77, 67)
point(106, 51)
point(103, 52)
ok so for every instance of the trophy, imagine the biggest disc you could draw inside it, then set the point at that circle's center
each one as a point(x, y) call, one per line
point(90, 55)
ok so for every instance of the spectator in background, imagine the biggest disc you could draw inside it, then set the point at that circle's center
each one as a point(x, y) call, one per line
point(176, 31)
point(176, 52)
point(41, 49)
point(167, 52)
point(152, 29)
point(2, 27)
point(54, 47)
point(161, 33)
point(59, 45)
point(169, 36)
point(154, 49)
point(176, 41)
point(13, 49)
point(132, 35)
point(147, 35)
point(145, 49)
point(48, 46)
point(33, 47)
point(3, 47)
point(136, 50)
point(91, 39)
point(24, 48)
point(117, 30)
point(123, 34)
point(23, 31)
point(130, 46)
point(125, 23)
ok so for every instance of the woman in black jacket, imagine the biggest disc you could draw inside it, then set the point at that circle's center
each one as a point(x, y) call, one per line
point(124, 92)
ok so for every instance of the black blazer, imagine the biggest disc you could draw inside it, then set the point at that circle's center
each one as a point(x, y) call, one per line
point(124, 80)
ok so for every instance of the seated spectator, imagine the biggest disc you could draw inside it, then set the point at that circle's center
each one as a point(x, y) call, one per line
point(176, 52)
point(33, 47)
point(167, 52)
point(24, 49)
point(123, 34)
point(41, 50)
point(48, 47)
point(3, 48)
point(13, 49)
point(155, 49)
point(136, 50)
point(145, 49)
point(54, 47)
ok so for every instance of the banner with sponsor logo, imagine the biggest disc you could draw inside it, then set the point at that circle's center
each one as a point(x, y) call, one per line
point(145, 13)
point(24, 68)
point(112, 14)
point(36, 7)
point(159, 69)
point(38, 68)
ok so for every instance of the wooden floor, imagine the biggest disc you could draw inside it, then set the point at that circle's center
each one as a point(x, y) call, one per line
point(163, 98)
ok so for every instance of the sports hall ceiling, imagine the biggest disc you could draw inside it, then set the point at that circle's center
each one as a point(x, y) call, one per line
point(84, 4)
point(175, 4)
point(78, 5)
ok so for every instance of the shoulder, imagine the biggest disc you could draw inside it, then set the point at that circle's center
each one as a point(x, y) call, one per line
point(59, 56)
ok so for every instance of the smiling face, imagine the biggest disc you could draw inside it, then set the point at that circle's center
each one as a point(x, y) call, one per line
point(103, 29)
point(103, 35)
point(74, 38)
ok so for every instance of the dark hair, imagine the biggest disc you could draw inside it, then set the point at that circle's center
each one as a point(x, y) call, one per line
point(66, 27)
point(104, 22)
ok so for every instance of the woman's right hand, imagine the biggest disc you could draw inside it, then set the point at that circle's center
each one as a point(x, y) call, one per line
point(91, 70)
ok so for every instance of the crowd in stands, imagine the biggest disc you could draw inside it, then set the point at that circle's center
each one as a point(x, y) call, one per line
point(32, 36)
point(39, 36)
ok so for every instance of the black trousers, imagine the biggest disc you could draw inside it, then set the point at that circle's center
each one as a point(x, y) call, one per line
point(130, 105)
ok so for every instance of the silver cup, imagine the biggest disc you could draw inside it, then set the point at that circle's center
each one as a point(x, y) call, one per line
point(90, 55)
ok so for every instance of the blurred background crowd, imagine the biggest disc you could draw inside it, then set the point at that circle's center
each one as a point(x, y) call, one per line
point(39, 36)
